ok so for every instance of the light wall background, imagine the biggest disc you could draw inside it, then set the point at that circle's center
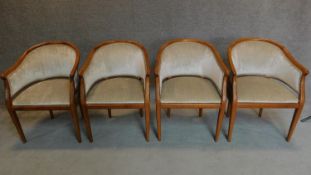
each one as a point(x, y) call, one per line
point(86, 23)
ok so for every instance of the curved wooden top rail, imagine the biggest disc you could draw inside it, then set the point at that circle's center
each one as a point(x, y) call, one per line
point(91, 54)
point(23, 56)
point(214, 50)
point(290, 57)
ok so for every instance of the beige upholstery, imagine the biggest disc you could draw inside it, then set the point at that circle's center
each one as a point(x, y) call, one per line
point(259, 89)
point(47, 92)
point(190, 58)
point(53, 60)
point(116, 90)
point(114, 60)
point(263, 58)
point(189, 90)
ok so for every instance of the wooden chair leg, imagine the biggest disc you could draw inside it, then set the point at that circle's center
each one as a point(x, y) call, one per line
point(200, 112)
point(18, 126)
point(141, 112)
point(231, 121)
point(147, 122)
point(168, 112)
point(229, 109)
point(260, 112)
point(294, 123)
point(87, 123)
point(51, 115)
point(158, 111)
point(75, 121)
point(219, 121)
point(109, 112)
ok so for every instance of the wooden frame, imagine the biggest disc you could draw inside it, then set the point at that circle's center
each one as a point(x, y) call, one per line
point(221, 106)
point(71, 107)
point(140, 106)
point(234, 101)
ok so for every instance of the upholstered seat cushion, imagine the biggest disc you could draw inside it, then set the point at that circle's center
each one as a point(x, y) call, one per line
point(116, 90)
point(189, 90)
point(46, 92)
point(260, 89)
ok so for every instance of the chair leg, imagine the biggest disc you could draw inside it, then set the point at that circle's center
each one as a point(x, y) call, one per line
point(109, 112)
point(158, 111)
point(147, 122)
point(168, 112)
point(294, 123)
point(219, 121)
point(87, 123)
point(51, 114)
point(200, 112)
point(141, 112)
point(231, 121)
point(260, 112)
point(75, 121)
point(18, 126)
point(229, 109)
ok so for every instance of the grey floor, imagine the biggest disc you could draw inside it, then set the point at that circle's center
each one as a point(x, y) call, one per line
point(187, 145)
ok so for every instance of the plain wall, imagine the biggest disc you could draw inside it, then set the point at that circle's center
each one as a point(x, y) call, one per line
point(152, 22)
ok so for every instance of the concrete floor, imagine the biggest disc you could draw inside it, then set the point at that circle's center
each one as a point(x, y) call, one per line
point(187, 146)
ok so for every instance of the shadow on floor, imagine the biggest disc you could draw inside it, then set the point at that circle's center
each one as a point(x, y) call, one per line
point(182, 131)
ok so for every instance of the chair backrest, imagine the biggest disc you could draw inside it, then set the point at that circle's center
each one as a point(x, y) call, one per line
point(43, 61)
point(263, 57)
point(115, 58)
point(189, 57)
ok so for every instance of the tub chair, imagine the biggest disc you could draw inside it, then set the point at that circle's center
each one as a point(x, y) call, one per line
point(115, 75)
point(190, 73)
point(265, 75)
point(43, 79)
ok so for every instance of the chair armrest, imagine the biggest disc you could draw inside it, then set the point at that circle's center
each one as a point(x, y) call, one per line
point(4, 76)
point(12, 68)
point(84, 68)
point(220, 62)
point(74, 70)
point(294, 62)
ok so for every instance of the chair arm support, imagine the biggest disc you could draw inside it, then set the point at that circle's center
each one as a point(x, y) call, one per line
point(224, 89)
point(157, 89)
point(302, 90)
point(82, 91)
point(7, 89)
point(147, 89)
point(234, 89)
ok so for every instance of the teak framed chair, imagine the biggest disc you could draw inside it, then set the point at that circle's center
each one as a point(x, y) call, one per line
point(265, 75)
point(43, 79)
point(115, 75)
point(190, 74)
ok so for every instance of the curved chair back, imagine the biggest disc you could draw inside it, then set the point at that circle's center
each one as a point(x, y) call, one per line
point(264, 57)
point(189, 57)
point(115, 58)
point(43, 61)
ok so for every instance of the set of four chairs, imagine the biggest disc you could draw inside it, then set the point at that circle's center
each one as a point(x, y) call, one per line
point(189, 73)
